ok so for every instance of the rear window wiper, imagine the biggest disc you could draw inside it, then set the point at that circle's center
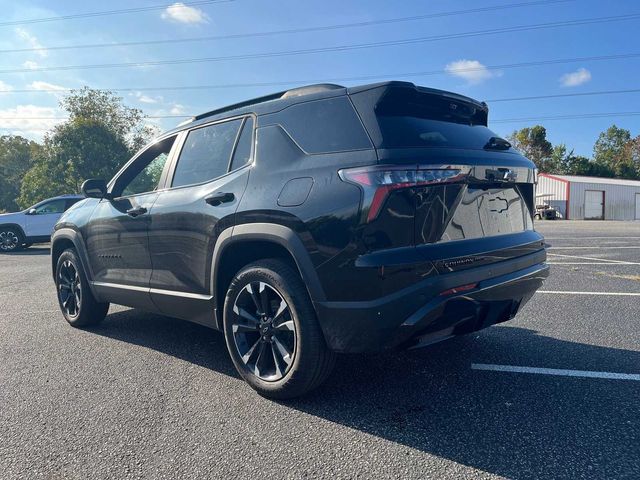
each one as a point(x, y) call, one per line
point(497, 143)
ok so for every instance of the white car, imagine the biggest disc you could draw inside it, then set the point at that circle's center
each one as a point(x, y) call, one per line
point(33, 225)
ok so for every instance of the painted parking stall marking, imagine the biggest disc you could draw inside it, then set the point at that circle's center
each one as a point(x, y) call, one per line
point(614, 294)
point(556, 371)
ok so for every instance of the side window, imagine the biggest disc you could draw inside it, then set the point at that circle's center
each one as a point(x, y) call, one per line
point(324, 126)
point(144, 174)
point(71, 202)
point(242, 155)
point(206, 153)
point(55, 206)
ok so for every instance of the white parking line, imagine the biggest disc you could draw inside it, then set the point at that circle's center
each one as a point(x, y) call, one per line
point(591, 263)
point(608, 260)
point(615, 294)
point(591, 248)
point(588, 238)
point(556, 371)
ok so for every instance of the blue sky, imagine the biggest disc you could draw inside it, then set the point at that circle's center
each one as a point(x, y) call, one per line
point(249, 16)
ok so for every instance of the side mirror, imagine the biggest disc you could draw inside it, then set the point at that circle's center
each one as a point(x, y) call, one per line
point(32, 211)
point(94, 188)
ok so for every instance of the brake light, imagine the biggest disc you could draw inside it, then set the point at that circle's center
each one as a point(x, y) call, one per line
point(378, 181)
point(460, 289)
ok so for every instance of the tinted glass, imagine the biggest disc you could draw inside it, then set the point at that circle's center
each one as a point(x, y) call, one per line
point(325, 126)
point(144, 174)
point(408, 117)
point(488, 212)
point(71, 202)
point(242, 155)
point(55, 206)
point(206, 153)
point(408, 131)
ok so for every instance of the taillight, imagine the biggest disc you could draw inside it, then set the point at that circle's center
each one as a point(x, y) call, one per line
point(378, 181)
point(460, 289)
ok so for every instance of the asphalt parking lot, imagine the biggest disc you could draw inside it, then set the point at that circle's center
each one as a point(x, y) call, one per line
point(144, 396)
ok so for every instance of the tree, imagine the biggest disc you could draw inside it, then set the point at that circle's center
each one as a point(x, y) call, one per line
point(16, 157)
point(632, 152)
point(611, 151)
point(533, 143)
point(571, 164)
point(99, 136)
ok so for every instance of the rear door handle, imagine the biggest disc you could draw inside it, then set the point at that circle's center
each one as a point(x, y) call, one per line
point(218, 198)
point(136, 211)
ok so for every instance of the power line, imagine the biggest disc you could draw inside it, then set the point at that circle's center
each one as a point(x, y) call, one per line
point(297, 82)
point(67, 118)
point(477, 33)
point(567, 117)
point(558, 61)
point(581, 116)
point(563, 95)
point(503, 120)
point(108, 12)
point(294, 30)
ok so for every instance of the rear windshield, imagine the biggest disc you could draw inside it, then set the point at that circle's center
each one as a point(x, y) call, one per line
point(402, 117)
point(408, 131)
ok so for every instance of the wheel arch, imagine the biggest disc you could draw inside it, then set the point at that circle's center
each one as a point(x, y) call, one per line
point(64, 239)
point(243, 244)
point(15, 225)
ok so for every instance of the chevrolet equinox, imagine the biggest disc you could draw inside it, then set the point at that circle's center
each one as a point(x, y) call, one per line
point(309, 222)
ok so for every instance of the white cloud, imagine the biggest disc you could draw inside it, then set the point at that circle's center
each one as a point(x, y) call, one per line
point(573, 79)
point(179, 12)
point(57, 91)
point(30, 120)
point(30, 64)
point(39, 85)
point(5, 87)
point(177, 109)
point(141, 97)
point(32, 41)
point(472, 71)
point(147, 99)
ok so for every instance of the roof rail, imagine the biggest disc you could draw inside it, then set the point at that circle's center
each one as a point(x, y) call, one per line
point(294, 92)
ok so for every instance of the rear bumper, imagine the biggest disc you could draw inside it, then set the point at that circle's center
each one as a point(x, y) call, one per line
point(418, 315)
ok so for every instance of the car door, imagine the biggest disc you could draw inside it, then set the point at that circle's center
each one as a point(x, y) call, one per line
point(207, 182)
point(42, 218)
point(116, 236)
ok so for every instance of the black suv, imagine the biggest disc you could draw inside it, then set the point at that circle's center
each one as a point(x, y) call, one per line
point(318, 220)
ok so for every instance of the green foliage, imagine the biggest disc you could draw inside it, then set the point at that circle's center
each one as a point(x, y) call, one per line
point(533, 143)
point(16, 158)
point(616, 154)
point(611, 152)
point(100, 135)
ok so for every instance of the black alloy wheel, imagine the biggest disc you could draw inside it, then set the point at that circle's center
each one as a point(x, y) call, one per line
point(272, 332)
point(77, 303)
point(69, 289)
point(264, 331)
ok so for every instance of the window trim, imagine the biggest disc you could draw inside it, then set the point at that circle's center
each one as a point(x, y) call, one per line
point(182, 140)
point(46, 202)
point(163, 177)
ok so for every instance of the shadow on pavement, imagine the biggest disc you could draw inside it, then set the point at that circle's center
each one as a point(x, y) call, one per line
point(515, 425)
point(33, 250)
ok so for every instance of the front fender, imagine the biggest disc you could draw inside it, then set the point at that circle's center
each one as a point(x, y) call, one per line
point(61, 237)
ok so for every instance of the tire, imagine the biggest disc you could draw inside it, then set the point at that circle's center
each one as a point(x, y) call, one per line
point(260, 339)
point(76, 301)
point(11, 239)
